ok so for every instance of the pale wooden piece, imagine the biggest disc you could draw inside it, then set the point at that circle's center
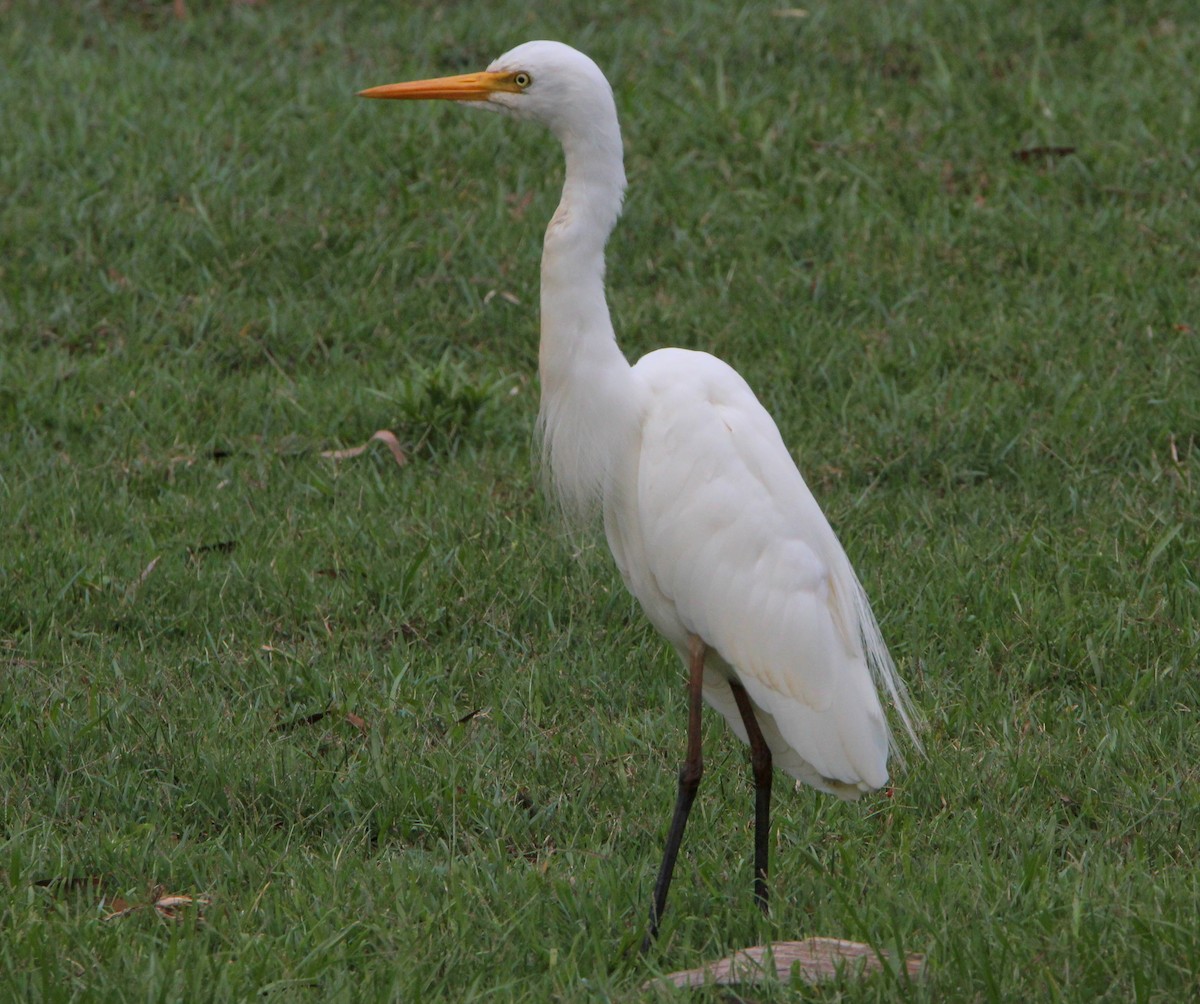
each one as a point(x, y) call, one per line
point(814, 960)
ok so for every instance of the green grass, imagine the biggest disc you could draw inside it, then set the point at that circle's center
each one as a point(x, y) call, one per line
point(216, 264)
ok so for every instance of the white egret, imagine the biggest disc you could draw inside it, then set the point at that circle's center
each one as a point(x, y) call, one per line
point(709, 521)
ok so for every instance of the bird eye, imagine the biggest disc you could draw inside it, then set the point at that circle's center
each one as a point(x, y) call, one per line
point(522, 79)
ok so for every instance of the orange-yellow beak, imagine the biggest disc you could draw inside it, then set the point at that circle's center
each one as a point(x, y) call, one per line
point(467, 87)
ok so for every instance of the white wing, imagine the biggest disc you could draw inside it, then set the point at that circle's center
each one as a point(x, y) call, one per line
point(732, 547)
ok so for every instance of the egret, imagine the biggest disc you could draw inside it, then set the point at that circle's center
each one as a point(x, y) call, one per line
point(709, 521)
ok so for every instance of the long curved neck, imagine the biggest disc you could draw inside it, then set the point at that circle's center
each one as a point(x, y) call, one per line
point(575, 315)
point(587, 389)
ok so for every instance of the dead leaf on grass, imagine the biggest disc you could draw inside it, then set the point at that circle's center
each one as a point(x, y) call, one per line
point(813, 960)
point(169, 906)
point(118, 907)
point(309, 719)
point(132, 590)
point(384, 436)
point(1042, 153)
point(74, 883)
point(350, 718)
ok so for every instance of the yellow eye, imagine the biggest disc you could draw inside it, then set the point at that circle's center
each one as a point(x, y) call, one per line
point(522, 79)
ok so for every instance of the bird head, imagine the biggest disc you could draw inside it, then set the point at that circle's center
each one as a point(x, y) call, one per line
point(547, 82)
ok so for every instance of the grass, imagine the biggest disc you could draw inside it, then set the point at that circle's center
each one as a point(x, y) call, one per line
point(406, 740)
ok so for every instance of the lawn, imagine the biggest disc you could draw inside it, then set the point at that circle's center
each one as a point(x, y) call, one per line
point(281, 725)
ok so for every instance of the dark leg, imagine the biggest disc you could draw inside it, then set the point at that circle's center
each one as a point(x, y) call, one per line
point(689, 782)
point(760, 761)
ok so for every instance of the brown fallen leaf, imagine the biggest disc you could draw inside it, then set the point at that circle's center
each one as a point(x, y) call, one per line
point(148, 569)
point(118, 908)
point(1042, 153)
point(171, 907)
point(357, 722)
point(72, 883)
point(310, 719)
point(217, 547)
point(384, 436)
point(814, 960)
point(168, 906)
point(132, 589)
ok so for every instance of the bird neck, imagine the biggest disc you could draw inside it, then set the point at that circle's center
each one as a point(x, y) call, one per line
point(575, 322)
point(586, 405)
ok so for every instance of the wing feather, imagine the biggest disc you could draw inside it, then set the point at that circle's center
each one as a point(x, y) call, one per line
point(741, 555)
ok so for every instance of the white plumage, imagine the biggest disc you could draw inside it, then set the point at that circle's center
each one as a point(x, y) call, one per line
point(723, 540)
point(709, 520)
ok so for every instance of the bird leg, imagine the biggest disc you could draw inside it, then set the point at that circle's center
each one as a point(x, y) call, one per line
point(689, 781)
point(760, 762)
